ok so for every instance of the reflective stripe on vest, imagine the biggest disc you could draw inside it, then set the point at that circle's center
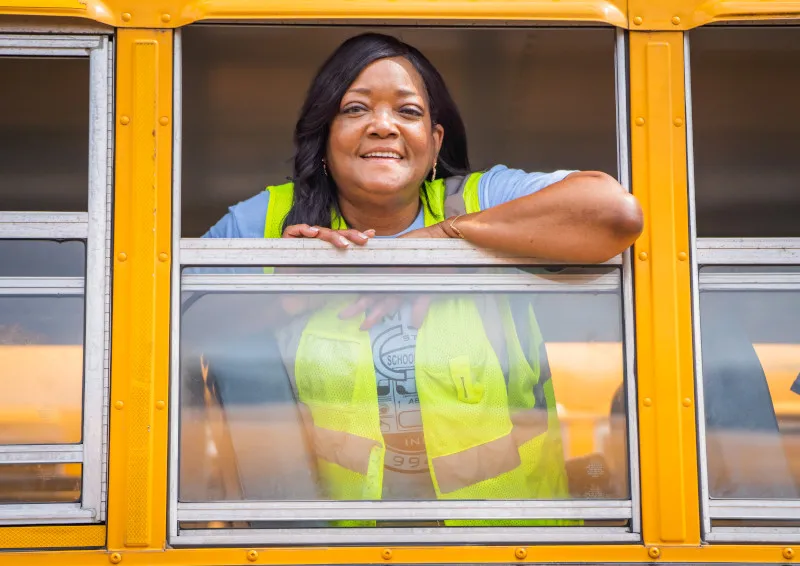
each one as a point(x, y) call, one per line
point(488, 435)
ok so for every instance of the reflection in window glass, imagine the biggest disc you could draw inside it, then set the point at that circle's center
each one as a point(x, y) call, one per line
point(41, 369)
point(449, 395)
point(44, 134)
point(42, 258)
point(746, 124)
point(535, 99)
point(40, 483)
point(751, 382)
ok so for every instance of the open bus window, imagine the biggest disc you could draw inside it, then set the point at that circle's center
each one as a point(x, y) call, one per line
point(746, 122)
point(534, 99)
point(44, 134)
point(456, 394)
point(294, 421)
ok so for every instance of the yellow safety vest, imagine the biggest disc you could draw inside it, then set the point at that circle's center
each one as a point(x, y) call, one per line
point(486, 439)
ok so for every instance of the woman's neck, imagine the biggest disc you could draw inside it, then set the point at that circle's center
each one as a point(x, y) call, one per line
point(385, 220)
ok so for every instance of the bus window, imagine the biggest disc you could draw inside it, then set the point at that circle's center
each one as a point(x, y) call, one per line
point(550, 105)
point(745, 126)
point(55, 235)
point(45, 138)
point(746, 122)
point(294, 417)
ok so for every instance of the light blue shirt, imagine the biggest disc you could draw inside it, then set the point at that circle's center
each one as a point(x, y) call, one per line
point(498, 185)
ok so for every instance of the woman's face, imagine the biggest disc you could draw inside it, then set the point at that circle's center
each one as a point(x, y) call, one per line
point(382, 142)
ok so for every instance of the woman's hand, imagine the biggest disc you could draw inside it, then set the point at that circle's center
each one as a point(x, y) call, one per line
point(339, 238)
point(376, 306)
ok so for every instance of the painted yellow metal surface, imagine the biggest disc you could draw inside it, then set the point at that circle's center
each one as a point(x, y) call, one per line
point(687, 14)
point(53, 536)
point(411, 555)
point(140, 341)
point(175, 13)
point(670, 505)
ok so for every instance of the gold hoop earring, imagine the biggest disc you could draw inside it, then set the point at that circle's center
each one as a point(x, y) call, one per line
point(433, 173)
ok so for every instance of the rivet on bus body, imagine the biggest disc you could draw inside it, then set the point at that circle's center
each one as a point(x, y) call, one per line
point(637, 20)
point(122, 256)
point(676, 21)
point(162, 257)
point(126, 16)
point(643, 256)
point(165, 18)
point(115, 558)
point(521, 553)
point(647, 401)
point(386, 554)
point(653, 552)
point(124, 120)
point(640, 121)
point(687, 402)
point(118, 405)
point(682, 256)
point(252, 555)
point(788, 553)
point(160, 405)
point(678, 122)
point(163, 120)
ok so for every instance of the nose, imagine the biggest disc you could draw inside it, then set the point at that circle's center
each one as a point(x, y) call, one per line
point(383, 124)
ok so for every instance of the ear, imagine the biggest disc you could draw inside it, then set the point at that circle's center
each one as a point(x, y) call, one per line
point(438, 138)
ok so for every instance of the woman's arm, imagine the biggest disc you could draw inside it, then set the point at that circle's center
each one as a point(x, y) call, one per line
point(586, 217)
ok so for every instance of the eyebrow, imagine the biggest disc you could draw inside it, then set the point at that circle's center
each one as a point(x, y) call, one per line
point(366, 91)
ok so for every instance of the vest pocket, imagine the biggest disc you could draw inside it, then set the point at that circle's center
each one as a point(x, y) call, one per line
point(467, 389)
point(326, 371)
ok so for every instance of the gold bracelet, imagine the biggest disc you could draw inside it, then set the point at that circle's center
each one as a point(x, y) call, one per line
point(453, 227)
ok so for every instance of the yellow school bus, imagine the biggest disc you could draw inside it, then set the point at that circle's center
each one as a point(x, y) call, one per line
point(146, 416)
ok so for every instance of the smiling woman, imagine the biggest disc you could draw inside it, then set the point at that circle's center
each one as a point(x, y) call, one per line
point(412, 395)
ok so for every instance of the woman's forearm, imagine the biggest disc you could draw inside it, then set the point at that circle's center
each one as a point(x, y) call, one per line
point(587, 217)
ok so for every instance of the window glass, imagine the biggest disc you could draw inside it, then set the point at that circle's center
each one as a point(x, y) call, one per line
point(44, 134)
point(751, 380)
point(41, 341)
point(746, 124)
point(455, 393)
point(535, 99)
point(40, 483)
point(41, 369)
point(42, 258)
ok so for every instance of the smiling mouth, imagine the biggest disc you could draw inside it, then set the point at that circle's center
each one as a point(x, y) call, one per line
point(382, 155)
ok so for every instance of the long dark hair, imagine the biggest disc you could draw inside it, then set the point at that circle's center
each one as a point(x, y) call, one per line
point(314, 192)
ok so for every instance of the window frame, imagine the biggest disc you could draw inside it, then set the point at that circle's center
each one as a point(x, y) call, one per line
point(93, 227)
point(732, 252)
point(222, 252)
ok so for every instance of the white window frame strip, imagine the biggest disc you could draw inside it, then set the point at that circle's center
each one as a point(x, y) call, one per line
point(400, 510)
point(628, 305)
point(61, 225)
point(49, 45)
point(41, 454)
point(752, 252)
point(410, 283)
point(188, 252)
point(94, 229)
point(409, 535)
point(748, 251)
point(44, 514)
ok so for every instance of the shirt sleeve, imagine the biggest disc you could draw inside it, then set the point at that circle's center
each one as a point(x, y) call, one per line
point(501, 184)
point(246, 219)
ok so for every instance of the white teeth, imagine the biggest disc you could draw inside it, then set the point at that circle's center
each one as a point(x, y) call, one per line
point(387, 154)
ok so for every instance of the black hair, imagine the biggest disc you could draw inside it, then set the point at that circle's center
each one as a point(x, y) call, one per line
point(314, 191)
